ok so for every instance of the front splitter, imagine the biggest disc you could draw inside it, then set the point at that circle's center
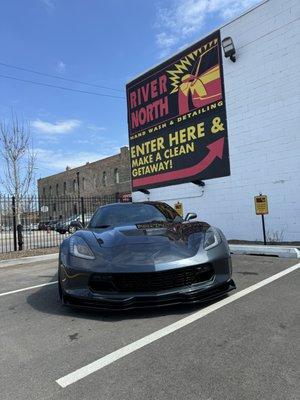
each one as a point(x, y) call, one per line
point(199, 296)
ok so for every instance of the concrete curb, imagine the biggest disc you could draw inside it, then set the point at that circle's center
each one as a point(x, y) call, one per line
point(27, 260)
point(279, 251)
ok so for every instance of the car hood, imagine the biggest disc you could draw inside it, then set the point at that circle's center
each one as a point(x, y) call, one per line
point(144, 246)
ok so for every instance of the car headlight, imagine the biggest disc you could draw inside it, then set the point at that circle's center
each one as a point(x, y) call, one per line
point(79, 248)
point(212, 238)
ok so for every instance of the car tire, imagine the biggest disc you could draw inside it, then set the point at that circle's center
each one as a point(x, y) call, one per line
point(72, 229)
point(60, 290)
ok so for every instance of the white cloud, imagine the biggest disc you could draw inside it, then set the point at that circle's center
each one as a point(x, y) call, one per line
point(164, 39)
point(58, 160)
point(95, 128)
point(49, 4)
point(186, 18)
point(58, 127)
point(60, 67)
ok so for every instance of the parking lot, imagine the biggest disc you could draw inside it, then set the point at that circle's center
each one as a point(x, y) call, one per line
point(241, 347)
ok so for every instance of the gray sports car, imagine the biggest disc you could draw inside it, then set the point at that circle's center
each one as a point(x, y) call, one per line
point(144, 254)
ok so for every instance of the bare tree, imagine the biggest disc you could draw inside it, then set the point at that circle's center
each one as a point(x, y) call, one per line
point(18, 158)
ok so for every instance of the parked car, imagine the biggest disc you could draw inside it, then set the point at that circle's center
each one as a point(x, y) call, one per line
point(52, 224)
point(43, 225)
point(30, 227)
point(72, 224)
point(134, 255)
point(6, 228)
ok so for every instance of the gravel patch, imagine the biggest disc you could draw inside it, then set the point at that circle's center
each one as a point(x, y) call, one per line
point(28, 253)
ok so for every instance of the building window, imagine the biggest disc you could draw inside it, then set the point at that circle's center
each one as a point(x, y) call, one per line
point(56, 190)
point(116, 174)
point(83, 183)
point(50, 190)
point(44, 192)
point(104, 178)
point(65, 188)
point(74, 185)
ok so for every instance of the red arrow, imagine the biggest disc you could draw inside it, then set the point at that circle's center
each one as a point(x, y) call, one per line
point(215, 151)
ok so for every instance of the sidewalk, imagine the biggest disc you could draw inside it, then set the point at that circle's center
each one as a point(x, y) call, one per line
point(273, 250)
point(27, 260)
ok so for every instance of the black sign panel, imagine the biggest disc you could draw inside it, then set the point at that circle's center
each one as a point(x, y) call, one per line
point(177, 119)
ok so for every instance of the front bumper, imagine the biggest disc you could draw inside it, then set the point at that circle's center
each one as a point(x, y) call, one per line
point(181, 296)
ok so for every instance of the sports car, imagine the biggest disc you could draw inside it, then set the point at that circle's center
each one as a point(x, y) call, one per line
point(143, 254)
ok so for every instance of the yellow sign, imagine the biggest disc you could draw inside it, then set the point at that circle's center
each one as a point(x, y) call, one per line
point(261, 205)
point(179, 208)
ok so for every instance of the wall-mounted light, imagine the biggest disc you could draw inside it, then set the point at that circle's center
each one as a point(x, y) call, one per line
point(145, 191)
point(228, 48)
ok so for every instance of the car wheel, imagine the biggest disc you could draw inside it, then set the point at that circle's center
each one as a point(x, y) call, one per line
point(72, 229)
point(60, 291)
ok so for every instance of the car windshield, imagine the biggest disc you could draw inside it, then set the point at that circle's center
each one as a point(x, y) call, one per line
point(133, 213)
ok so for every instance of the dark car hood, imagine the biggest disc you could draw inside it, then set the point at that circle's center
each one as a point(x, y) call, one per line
point(145, 245)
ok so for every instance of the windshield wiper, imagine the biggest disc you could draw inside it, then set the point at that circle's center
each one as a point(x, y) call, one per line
point(154, 221)
point(100, 226)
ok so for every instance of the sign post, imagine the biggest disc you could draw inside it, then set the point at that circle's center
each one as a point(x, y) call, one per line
point(261, 208)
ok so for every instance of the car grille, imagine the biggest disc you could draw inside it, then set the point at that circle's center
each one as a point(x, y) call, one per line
point(151, 281)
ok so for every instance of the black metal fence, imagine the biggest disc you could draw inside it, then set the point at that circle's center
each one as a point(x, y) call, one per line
point(39, 222)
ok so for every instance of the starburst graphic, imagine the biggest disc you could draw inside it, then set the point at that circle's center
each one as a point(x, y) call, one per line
point(187, 64)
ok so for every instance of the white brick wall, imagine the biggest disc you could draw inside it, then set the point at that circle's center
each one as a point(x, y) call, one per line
point(263, 114)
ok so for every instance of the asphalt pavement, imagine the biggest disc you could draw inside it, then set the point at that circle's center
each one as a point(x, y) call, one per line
point(241, 347)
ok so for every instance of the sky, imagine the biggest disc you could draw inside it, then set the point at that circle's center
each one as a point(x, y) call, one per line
point(101, 42)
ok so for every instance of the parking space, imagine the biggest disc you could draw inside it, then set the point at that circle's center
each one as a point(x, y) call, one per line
point(244, 349)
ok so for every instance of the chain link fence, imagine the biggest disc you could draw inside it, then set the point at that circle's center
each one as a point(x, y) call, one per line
point(40, 222)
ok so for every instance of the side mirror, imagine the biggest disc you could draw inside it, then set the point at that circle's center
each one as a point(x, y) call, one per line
point(190, 216)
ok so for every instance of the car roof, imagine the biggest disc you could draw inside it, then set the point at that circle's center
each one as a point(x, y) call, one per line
point(132, 202)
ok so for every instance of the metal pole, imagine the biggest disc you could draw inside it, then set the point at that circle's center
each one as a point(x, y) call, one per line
point(78, 192)
point(14, 222)
point(20, 237)
point(264, 228)
point(82, 211)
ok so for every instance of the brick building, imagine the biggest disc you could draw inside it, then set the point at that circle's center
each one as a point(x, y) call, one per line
point(263, 111)
point(107, 177)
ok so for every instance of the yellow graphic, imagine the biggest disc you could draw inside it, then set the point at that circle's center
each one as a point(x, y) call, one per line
point(197, 85)
point(179, 208)
point(180, 71)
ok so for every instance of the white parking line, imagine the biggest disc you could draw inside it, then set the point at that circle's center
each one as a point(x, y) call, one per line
point(130, 348)
point(27, 288)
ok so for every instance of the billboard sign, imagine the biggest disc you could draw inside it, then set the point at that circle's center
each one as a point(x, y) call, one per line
point(177, 119)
